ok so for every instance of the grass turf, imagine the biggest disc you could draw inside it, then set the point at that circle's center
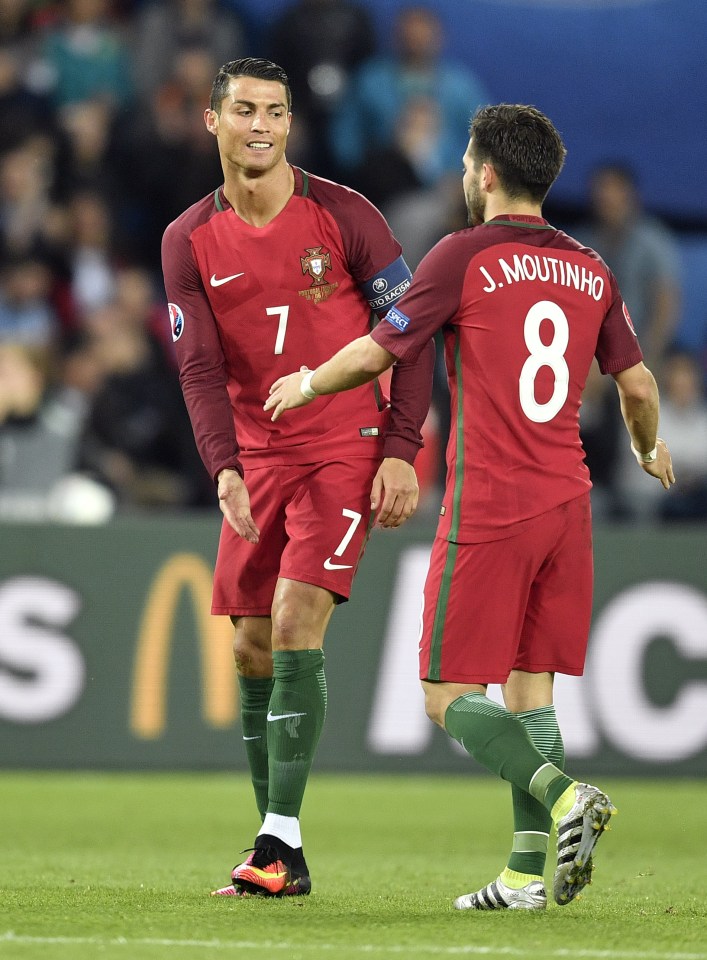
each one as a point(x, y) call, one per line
point(120, 866)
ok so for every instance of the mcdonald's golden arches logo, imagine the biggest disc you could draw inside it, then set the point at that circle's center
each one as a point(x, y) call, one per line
point(148, 709)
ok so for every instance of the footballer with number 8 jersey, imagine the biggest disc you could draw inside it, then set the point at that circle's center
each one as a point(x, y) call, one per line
point(278, 267)
point(524, 309)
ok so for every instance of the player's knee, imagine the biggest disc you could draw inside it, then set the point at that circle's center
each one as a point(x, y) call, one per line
point(251, 647)
point(299, 618)
point(251, 659)
point(288, 627)
point(435, 704)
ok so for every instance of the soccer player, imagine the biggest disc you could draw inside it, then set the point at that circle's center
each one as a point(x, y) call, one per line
point(523, 308)
point(274, 268)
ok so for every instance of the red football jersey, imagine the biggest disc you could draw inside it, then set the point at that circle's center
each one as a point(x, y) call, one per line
point(250, 304)
point(524, 308)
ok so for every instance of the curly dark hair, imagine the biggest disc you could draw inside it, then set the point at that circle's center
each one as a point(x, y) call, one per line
point(247, 67)
point(521, 144)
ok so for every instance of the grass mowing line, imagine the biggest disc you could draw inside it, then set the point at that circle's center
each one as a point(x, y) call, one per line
point(433, 950)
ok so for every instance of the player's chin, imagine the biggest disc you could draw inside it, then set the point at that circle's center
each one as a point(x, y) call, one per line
point(261, 158)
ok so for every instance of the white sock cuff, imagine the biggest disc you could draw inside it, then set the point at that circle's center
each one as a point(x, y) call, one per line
point(286, 829)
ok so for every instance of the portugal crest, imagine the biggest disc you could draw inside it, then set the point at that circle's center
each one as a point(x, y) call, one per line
point(316, 264)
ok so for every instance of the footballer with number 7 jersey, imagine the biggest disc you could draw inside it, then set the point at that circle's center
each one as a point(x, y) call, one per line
point(279, 268)
point(524, 309)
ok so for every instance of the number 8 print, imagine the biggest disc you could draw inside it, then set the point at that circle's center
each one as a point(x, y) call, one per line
point(552, 355)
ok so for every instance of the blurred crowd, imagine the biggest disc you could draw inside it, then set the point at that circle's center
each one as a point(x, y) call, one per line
point(102, 144)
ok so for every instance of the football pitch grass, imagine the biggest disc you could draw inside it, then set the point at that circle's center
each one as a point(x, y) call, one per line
point(120, 866)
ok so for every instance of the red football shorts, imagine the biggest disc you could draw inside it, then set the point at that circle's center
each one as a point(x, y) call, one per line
point(314, 523)
point(521, 603)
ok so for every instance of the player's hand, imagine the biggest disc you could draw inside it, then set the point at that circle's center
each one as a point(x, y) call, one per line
point(285, 394)
point(662, 466)
point(395, 492)
point(235, 505)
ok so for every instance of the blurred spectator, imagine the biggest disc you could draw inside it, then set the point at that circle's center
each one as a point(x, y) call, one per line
point(40, 422)
point(26, 312)
point(136, 293)
point(162, 29)
point(14, 20)
point(683, 420)
point(422, 217)
point(168, 152)
point(683, 424)
point(602, 431)
point(86, 160)
point(92, 260)
point(319, 71)
point(27, 215)
point(138, 438)
point(641, 252)
point(23, 110)
point(382, 86)
point(399, 168)
point(86, 56)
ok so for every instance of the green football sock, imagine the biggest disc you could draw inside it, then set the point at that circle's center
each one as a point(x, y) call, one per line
point(294, 723)
point(255, 698)
point(532, 822)
point(496, 739)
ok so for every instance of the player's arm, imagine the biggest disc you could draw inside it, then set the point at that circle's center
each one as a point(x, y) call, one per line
point(358, 362)
point(202, 377)
point(395, 491)
point(640, 409)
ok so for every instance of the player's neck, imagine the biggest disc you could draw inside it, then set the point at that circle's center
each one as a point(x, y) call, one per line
point(498, 206)
point(259, 199)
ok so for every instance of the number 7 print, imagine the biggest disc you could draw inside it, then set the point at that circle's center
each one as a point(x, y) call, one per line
point(345, 541)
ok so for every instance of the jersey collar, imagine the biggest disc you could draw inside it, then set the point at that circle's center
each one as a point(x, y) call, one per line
point(301, 181)
point(519, 220)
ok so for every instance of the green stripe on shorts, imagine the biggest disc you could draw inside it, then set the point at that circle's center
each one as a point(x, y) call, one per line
point(433, 672)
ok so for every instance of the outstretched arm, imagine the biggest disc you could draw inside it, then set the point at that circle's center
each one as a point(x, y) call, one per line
point(358, 362)
point(395, 488)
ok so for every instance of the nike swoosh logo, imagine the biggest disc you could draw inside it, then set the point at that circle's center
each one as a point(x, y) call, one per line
point(252, 738)
point(217, 283)
point(328, 565)
point(284, 716)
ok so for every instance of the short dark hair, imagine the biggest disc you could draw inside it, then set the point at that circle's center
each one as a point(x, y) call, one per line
point(247, 67)
point(522, 145)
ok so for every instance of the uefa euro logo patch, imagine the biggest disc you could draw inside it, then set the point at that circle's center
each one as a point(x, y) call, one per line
point(176, 320)
point(397, 318)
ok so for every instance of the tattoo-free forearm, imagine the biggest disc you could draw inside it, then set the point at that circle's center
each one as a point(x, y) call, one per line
point(358, 362)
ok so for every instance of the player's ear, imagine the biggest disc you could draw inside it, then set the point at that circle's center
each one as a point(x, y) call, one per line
point(489, 180)
point(211, 120)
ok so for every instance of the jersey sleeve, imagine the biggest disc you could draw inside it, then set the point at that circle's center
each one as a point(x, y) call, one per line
point(429, 303)
point(407, 331)
point(411, 381)
point(377, 266)
point(202, 372)
point(617, 346)
point(373, 255)
point(410, 398)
